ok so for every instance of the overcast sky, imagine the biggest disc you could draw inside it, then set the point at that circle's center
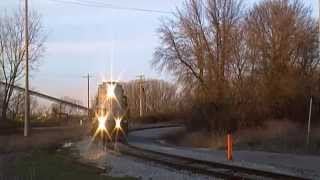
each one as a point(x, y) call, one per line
point(85, 40)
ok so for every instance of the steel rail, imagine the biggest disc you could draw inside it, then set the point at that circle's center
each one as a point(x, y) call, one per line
point(206, 166)
point(178, 163)
point(45, 96)
point(154, 127)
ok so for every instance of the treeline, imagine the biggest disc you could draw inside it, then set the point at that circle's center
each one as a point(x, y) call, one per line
point(158, 99)
point(148, 100)
point(240, 66)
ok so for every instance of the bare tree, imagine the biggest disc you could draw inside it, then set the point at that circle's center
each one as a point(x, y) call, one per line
point(68, 109)
point(158, 96)
point(246, 66)
point(15, 107)
point(282, 38)
point(182, 51)
point(197, 46)
point(12, 51)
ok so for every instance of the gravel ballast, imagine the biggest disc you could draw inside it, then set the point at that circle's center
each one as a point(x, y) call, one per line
point(118, 165)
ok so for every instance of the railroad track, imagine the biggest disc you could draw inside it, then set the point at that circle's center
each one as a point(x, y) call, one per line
point(215, 169)
point(155, 127)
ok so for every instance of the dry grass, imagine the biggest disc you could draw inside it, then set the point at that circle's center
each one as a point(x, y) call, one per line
point(275, 136)
point(203, 139)
point(38, 138)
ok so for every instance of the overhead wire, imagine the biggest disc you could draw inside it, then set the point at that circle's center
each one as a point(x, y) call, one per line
point(98, 4)
point(58, 75)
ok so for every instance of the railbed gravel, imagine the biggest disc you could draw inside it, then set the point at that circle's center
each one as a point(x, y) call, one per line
point(118, 165)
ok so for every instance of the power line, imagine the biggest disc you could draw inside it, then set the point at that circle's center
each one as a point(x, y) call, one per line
point(124, 8)
point(61, 75)
point(97, 4)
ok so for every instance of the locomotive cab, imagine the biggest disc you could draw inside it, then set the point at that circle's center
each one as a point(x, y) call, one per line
point(112, 103)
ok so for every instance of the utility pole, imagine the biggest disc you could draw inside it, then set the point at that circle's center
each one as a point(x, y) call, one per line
point(141, 80)
point(310, 103)
point(88, 94)
point(27, 98)
point(319, 23)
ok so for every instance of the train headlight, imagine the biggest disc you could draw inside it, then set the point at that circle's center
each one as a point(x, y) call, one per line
point(110, 91)
point(102, 123)
point(118, 123)
point(101, 129)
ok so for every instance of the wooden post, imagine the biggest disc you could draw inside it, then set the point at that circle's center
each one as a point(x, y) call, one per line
point(229, 147)
point(309, 123)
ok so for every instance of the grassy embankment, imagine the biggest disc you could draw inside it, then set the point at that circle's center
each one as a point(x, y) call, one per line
point(41, 165)
point(35, 157)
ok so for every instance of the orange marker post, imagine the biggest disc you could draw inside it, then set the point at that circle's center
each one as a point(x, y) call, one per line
point(229, 147)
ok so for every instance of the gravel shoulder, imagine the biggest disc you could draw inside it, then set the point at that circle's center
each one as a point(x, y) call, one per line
point(119, 165)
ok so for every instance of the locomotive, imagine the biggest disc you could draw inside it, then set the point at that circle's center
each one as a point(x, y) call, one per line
point(111, 112)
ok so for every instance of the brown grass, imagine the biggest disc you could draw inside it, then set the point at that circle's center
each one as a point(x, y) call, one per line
point(38, 138)
point(274, 136)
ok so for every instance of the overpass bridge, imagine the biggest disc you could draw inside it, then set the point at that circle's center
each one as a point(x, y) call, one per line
point(45, 96)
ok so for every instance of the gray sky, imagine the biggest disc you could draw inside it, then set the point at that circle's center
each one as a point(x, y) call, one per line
point(90, 39)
